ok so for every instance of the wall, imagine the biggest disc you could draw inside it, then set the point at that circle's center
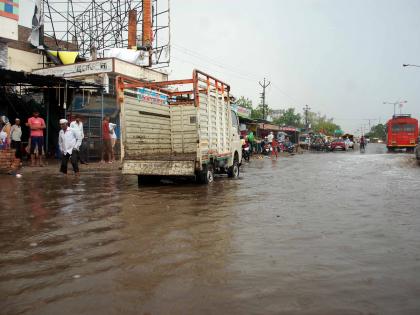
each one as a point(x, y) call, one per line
point(20, 60)
point(9, 28)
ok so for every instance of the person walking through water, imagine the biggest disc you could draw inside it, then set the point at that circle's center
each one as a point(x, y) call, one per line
point(37, 125)
point(113, 139)
point(270, 137)
point(251, 141)
point(69, 143)
point(106, 138)
point(77, 126)
point(16, 136)
point(362, 143)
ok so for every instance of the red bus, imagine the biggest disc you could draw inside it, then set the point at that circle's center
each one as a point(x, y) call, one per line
point(402, 133)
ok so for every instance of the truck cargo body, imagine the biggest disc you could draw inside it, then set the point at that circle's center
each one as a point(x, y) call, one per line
point(179, 133)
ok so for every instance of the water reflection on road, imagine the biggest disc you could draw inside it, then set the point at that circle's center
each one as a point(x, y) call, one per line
point(334, 233)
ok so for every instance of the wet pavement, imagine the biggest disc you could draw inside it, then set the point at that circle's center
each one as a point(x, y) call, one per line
point(321, 233)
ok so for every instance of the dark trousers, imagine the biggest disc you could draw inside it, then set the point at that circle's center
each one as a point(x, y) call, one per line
point(83, 152)
point(17, 145)
point(74, 159)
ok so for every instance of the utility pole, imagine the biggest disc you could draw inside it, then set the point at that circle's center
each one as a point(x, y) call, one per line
point(306, 110)
point(264, 86)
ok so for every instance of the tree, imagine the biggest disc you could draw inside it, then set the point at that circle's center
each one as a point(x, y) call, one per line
point(289, 118)
point(377, 131)
point(322, 124)
point(258, 112)
point(244, 102)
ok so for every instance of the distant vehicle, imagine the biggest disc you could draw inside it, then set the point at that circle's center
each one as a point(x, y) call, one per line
point(338, 144)
point(178, 128)
point(304, 141)
point(402, 133)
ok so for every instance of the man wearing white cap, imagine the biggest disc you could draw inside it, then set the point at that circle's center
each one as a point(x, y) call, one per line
point(69, 143)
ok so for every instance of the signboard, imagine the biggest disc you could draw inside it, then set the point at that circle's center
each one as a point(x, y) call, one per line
point(241, 111)
point(104, 66)
point(291, 129)
point(151, 96)
point(10, 9)
point(78, 69)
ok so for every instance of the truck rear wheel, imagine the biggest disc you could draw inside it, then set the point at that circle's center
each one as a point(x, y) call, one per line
point(233, 171)
point(206, 176)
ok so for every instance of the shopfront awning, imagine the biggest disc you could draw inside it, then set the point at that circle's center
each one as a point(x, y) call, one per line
point(20, 78)
point(269, 127)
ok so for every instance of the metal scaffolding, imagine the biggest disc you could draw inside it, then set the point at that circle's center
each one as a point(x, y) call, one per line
point(104, 24)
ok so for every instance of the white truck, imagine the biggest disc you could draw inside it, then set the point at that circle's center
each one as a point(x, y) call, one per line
point(178, 128)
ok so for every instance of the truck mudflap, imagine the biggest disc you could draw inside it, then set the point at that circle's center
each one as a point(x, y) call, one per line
point(162, 168)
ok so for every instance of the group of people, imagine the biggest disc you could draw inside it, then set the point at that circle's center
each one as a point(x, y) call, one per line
point(269, 145)
point(71, 143)
point(11, 137)
point(71, 140)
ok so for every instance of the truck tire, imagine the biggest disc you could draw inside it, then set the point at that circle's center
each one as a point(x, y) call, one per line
point(148, 179)
point(233, 171)
point(206, 176)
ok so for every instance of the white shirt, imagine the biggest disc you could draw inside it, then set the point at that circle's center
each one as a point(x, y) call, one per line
point(112, 129)
point(77, 128)
point(68, 140)
point(270, 137)
point(16, 133)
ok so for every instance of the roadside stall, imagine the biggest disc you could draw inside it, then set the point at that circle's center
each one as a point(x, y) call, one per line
point(292, 133)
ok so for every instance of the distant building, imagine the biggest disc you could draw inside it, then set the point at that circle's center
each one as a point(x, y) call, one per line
point(276, 113)
point(9, 16)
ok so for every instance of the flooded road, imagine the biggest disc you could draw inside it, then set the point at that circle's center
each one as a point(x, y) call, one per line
point(329, 233)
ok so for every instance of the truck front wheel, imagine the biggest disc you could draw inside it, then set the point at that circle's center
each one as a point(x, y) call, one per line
point(233, 171)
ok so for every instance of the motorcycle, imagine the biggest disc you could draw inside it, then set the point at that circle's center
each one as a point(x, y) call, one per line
point(266, 150)
point(287, 147)
point(246, 151)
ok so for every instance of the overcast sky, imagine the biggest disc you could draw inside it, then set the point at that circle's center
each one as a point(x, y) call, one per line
point(342, 58)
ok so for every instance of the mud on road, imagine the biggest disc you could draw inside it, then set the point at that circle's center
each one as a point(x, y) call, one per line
point(329, 233)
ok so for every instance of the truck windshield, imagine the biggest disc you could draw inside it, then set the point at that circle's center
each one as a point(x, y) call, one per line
point(235, 122)
point(403, 128)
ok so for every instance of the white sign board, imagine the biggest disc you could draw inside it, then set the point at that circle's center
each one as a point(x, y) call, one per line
point(78, 69)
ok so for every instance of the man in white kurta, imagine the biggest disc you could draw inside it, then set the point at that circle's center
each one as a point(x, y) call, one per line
point(69, 142)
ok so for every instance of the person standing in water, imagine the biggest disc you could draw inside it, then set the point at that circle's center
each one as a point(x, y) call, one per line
point(69, 143)
point(16, 136)
point(37, 125)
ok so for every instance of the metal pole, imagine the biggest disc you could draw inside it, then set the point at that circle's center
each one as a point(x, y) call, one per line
point(102, 118)
point(264, 86)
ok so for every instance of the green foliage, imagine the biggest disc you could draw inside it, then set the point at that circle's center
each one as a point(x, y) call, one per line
point(377, 131)
point(322, 124)
point(258, 112)
point(244, 102)
point(289, 118)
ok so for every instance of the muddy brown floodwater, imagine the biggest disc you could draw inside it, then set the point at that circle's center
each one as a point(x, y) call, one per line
point(331, 233)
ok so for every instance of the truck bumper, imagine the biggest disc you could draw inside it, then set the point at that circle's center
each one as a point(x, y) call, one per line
point(162, 168)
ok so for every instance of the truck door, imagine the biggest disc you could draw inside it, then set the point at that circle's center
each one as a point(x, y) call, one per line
point(235, 136)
